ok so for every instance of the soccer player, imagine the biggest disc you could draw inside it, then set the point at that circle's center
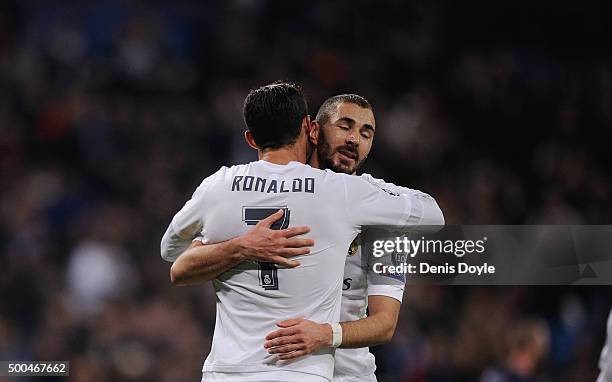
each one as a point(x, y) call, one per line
point(253, 295)
point(342, 134)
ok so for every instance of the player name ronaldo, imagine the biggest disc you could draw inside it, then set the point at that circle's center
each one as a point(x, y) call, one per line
point(272, 186)
point(426, 268)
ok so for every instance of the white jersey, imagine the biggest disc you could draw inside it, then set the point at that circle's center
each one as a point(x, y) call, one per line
point(360, 362)
point(253, 297)
point(605, 360)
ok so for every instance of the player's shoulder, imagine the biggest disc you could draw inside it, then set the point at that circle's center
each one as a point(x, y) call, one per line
point(336, 178)
point(393, 188)
point(270, 166)
point(336, 175)
point(349, 179)
point(237, 169)
point(372, 180)
point(220, 173)
point(234, 169)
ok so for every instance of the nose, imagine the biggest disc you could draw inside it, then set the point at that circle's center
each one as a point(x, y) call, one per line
point(353, 138)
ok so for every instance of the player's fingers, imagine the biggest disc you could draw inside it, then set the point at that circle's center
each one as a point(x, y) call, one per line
point(287, 348)
point(280, 341)
point(295, 231)
point(290, 322)
point(292, 355)
point(280, 260)
point(280, 333)
point(267, 222)
point(297, 243)
point(290, 252)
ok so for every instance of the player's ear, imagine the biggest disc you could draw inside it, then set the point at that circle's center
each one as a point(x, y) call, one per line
point(306, 124)
point(313, 135)
point(249, 138)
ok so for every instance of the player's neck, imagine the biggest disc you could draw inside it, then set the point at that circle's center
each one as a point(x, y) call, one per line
point(314, 159)
point(283, 155)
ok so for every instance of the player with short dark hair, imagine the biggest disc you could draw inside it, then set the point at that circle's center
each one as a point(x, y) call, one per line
point(337, 116)
point(273, 114)
point(343, 133)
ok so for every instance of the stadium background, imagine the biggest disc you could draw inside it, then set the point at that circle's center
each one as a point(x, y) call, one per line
point(112, 112)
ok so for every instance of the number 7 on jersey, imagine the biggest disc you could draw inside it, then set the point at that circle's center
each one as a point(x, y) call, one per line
point(268, 272)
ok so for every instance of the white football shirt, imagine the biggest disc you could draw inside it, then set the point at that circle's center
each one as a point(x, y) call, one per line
point(605, 360)
point(360, 362)
point(253, 297)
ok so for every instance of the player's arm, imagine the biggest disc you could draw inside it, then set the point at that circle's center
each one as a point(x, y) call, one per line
point(368, 204)
point(173, 244)
point(204, 262)
point(375, 329)
point(298, 337)
point(186, 224)
point(201, 263)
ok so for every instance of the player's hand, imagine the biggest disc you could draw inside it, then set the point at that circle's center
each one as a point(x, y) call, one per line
point(274, 246)
point(298, 337)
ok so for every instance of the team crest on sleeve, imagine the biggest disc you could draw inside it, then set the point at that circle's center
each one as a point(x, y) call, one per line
point(397, 259)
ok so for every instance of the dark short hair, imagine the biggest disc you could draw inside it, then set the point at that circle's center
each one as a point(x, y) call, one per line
point(274, 113)
point(329, 105)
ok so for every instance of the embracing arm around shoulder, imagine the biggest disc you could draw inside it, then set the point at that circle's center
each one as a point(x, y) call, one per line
point(204, 262)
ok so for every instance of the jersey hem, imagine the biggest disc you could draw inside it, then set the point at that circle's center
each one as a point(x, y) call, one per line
point(386, 290)
point(338, 373)
point(257, 368)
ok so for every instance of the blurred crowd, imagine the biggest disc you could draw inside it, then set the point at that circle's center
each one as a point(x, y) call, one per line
point(112, 112)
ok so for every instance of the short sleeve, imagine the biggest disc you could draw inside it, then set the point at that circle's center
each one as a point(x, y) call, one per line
point(370, 205)
point(384, 284)
point(393, 291)
point(425, 209)
point(188, 222)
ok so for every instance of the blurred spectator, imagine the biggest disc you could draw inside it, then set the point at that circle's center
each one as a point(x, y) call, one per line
point(96, 273)
point(527, 343)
